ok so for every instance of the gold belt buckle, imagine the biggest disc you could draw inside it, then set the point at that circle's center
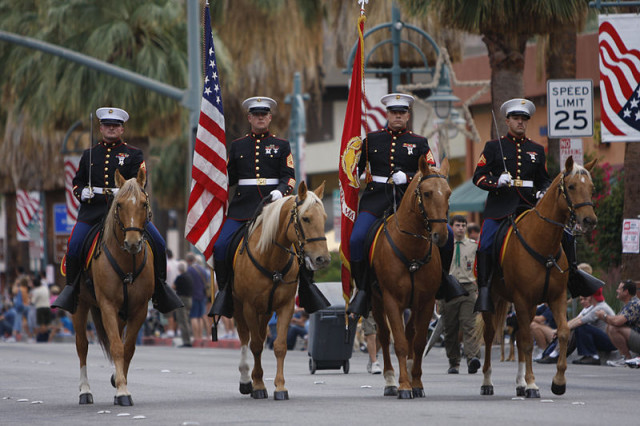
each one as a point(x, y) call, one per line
point(108, 191)
point(261, 181)
point(517, 182)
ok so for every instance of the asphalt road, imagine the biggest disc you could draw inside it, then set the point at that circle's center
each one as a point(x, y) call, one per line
point(199, 386)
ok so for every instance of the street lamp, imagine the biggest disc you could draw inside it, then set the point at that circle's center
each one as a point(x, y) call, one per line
point(443, 97)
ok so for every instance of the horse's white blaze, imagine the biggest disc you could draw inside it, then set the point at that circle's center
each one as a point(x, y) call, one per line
point(582, 179)
point(84, 381)
point(520, 375)
point(486, 381)
point(439, 192)
point(390, 378)
point(244, 365)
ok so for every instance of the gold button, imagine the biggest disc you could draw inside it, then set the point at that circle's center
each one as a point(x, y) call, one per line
point(257, 140)
point(257, 167)
point(394, 138)
point(257, 160)
point(108, 149)
point(106, 168)
point(392, 164)
point(391, 157)
point(107, 155)
point(106, 182)
point(257, 175)
point(519, 163)
point(393, 150)
point(106, 162)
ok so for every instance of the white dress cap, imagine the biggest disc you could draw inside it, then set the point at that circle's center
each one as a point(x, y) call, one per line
point(259, 103)
point(518, 106)
point(112, 115)
point(397, 101)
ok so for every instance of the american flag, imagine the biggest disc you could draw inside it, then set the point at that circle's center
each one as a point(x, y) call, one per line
point(619, 78)
point(70, 168)
point(209, 180)
point(28, 209)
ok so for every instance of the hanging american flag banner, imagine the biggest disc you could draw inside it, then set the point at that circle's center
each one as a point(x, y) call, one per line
point(619, 78)
point(374, 115)
point(209, 180)
point(28, 210)
point(70, 168)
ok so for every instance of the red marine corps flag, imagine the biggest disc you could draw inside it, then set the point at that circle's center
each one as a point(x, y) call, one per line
point(350, 149)
point(209, 181)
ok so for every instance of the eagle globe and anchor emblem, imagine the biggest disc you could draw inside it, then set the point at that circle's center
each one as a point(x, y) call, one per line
point(349, 160)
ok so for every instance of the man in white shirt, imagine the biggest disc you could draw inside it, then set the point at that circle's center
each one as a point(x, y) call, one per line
point(590, 331)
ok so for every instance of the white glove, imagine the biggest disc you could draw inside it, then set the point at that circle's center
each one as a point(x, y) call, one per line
point(504, 180)
point(540, 194)
point(399, 178)
point(86, 194)
point(275, 195)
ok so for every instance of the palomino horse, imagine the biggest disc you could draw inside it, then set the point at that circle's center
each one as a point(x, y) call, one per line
point(408, 271)
point(288, 232)
point(123, 279)
point(535, 270)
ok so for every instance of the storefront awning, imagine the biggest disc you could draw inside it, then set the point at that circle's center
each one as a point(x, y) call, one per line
point(467, 197)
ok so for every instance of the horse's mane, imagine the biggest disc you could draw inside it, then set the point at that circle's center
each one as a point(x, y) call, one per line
point(270, 218)
point(129, 188)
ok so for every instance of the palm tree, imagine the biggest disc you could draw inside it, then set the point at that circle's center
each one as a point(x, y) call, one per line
point(43, 94)
point(506, 26)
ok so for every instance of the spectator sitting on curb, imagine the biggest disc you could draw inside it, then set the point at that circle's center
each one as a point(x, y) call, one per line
point(624, 328)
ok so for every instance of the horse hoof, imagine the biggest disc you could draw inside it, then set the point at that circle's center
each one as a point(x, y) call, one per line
point(405, 394)
point(259, 394)
point(532, 393)
point(123, 400)
point(558, 389)
point(520, 390)
point(281, 395)
point(86, 398)
point(113, 380)
point(486, 390)
point(418, 392)
point(390, 391)
point(246, 388)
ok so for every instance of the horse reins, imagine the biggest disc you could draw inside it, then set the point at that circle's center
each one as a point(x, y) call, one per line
point(130, 277)
point(550, 261)
point(277, 276)
point(414, 265)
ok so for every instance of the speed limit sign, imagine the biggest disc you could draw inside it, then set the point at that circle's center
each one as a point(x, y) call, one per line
point(570, 108)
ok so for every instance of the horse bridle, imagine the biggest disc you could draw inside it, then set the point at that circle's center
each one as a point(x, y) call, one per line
point(570, 225)
point(278, 276)
point(116, 214)
point(129, 277)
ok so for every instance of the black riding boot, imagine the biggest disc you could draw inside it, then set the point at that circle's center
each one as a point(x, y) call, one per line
point(360, 303)
point(484, 263)
point(311, 298)
point(68, 297)
point(580, 283)
point(164, 298)
point(223, 302)
point(450, 287)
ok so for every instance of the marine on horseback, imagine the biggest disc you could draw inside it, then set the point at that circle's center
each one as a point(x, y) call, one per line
point(389, 160)
point(512, 169)
point(94, 185)
point(262, 167)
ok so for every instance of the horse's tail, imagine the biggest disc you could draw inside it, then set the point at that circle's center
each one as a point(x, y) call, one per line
point(101, 333)
point(498, 318)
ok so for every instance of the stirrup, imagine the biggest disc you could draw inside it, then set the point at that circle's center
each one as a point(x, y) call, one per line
point(66, 300)
point(359, 305)
point(222, 304)
point(583, 284)
point(483, 302)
